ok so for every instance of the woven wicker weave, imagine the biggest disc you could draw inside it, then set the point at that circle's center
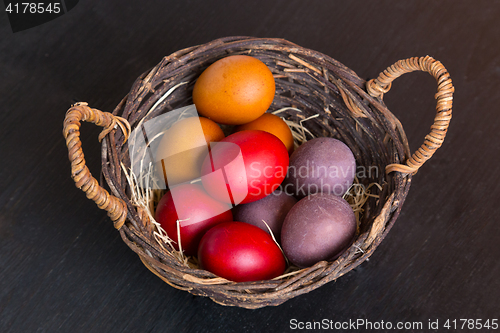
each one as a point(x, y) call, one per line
point(349, 109)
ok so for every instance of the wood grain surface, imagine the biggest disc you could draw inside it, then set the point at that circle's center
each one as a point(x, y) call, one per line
point(63, 266)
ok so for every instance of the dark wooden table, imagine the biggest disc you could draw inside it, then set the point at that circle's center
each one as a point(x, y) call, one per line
point(64, 268)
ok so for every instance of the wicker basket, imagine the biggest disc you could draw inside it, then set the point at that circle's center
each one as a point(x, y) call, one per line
point(349, 109)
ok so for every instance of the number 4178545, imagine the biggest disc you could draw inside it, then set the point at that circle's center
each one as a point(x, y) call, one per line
point(33, 8)
point(471, 324)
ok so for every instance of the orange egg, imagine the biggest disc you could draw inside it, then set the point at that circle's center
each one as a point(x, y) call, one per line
point(234, 90)
point(273, 124)
point(183, 148)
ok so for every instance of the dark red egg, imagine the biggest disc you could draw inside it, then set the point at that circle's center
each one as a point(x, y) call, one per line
point(240, 252)
point(195, 211)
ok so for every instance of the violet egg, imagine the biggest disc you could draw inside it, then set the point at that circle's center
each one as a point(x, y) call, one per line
point(271, 209)
point(324, 165)
point(319, 227)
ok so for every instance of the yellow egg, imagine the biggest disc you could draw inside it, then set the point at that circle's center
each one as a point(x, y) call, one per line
point(183, 148)
point(234, 90)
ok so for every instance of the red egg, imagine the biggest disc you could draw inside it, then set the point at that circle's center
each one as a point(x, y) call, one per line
point(244, 167)
point(196, 212)
point(240, 252)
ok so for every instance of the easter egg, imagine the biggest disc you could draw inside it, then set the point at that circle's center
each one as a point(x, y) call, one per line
point(272, 124)
point(319, 227)
point(240, 252)
point(267, 212)
point(234, 90)
point(244, 167)
point(324, 165)
point(183, 148)
point(187, 210)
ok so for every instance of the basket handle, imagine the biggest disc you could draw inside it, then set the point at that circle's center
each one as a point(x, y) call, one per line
point(377, 87)
point(116, 207)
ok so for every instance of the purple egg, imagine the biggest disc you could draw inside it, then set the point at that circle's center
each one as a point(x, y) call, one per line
point(272, 209)
point(324, 165)
point(319, 227)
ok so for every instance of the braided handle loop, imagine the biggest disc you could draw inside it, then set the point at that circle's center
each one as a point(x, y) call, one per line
point(116, 208)
point(377, 87)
